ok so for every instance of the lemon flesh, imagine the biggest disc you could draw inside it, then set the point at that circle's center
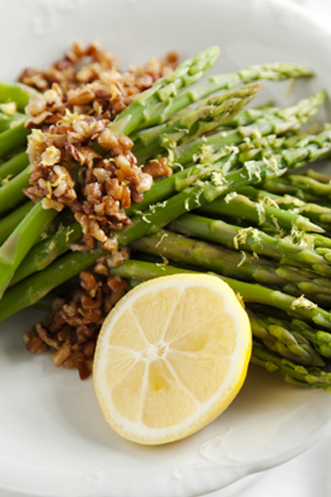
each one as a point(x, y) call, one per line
point(171, 356)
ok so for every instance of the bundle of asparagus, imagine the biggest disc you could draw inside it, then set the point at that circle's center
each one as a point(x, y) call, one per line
point(223, 162)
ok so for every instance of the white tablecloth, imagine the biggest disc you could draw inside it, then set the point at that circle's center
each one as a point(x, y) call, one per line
point(309, 474)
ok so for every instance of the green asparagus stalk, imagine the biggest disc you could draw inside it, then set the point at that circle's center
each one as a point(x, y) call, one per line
point(249, 239)
point(13, 166)
point(295, 151)
point(162, 92)
point(210, 114)
point(318, 214)
point(48, 245)
point(321, 244)
point(286, 119)
point(16, 92)
point(309, 185)
point(13, 137)
point(15, 248)
point(241, 265)
point(13, 152)
point(322, 299)
point(46, 251)
point(320, 339)
point(240, 206)
point(292, 372)
point(11, 193)
point(285, 188)
point(273, 72)
point(249, 116)
point(321, 177)
point(300, 308)
point(10, 120)
point(162, 190)
point(303, 187)
point(277, 337)
point(9, 223)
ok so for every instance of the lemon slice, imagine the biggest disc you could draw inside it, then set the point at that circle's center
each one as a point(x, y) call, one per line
point(171, 356)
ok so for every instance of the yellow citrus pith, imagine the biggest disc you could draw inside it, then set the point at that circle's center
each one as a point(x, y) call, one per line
point(171, 356)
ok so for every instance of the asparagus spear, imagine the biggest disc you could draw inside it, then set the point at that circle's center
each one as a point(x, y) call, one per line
point(249, 292)
point(273, 220)
point(292, 373)
point(10, 120)
point(16, 92)
point(309, 185)
point(11, 193)
point(13, 137)
point(275, 187)
point(207, 116)
point(273, 72)
point(316, 213)
point(249, 116)
point(277, 337)
point(9, 223)
point(160, 94)
point(162, 190)
point(46, 251)
point(251, 239)
point(240, 206)
point(321, 177)
point(295, 151)
point(287, 119)
point(320, 339)
point(234, 264)
point(13, 166)
point(302, 187)
point(13, 251)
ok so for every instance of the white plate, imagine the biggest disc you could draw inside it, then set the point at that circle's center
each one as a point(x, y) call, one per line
point(53, 439)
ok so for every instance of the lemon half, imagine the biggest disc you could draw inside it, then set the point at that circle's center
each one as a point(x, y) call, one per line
point(171, 356)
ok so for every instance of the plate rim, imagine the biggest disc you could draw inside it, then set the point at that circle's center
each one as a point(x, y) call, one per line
point(290, 9)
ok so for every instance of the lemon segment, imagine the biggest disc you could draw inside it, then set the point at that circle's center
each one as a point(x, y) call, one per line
point(171, 356)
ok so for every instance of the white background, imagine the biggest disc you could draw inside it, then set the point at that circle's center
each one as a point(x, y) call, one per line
point(308, 475)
